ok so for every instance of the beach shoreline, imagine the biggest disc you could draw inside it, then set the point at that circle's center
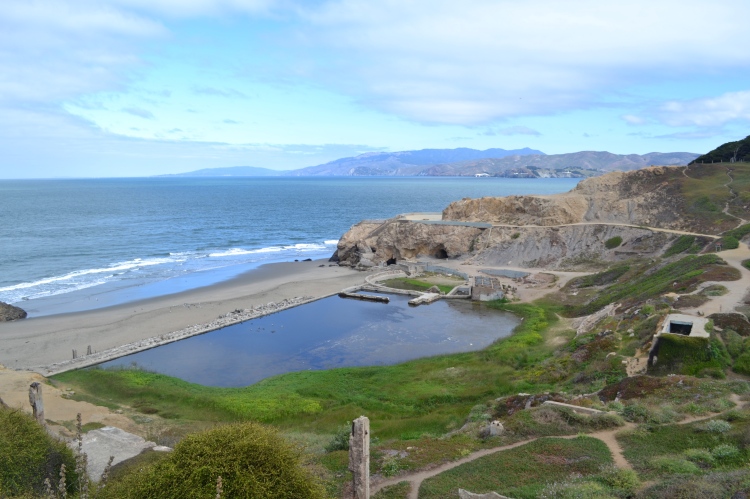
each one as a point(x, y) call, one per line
point(51, 339)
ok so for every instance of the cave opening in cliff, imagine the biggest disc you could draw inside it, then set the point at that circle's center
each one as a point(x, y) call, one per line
point(441, 254)
point(391, 261)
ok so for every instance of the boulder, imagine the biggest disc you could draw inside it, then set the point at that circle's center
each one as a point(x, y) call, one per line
point(496, 428)
point(11, 313)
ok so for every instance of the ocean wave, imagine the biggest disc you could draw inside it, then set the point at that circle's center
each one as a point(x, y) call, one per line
point(331, 241)
point(164, 267)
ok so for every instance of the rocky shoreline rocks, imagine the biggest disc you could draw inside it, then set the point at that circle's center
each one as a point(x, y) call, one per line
point(10, 312)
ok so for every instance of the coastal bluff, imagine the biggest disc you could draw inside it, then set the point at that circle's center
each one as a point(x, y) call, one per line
point(644, 210)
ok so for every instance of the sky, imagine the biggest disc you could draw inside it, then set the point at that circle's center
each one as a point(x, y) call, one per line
point(114, 88)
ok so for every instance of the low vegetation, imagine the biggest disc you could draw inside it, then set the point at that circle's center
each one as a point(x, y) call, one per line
point(613, 242)
point(523, 472)
point(29, 456)
point(252, 461)
point(415, 285)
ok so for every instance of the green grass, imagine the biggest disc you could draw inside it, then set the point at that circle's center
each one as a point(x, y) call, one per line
point(657, 449)
point(425, 396)
point(601, 278)
point(415, 285)
point(647, 282)
point(398, 491)
point(613, 242)
point(681, 244)
point(689, 355)
point(522, 472)
point(746, 264)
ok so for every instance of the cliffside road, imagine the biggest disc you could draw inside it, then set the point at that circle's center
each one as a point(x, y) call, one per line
point(437, 217)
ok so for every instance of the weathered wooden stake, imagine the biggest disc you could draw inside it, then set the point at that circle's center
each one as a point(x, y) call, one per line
point(359, 457)
point(88, 350)
point(37, 405)
point(75, 353)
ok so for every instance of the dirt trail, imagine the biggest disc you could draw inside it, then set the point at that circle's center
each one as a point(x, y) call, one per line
point(737, 289)
point(607, 436)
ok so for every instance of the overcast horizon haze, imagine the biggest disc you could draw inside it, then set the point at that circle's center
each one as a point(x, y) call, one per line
point(120, 88)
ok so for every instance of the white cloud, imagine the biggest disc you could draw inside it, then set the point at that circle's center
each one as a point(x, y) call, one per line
point(512, 130)
point(632, 119)
point(707, 112)
point(474, 62)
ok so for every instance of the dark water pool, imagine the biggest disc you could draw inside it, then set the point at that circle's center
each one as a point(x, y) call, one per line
point(328, 333)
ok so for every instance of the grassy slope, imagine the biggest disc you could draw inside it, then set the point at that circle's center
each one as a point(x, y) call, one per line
point(706, 195)
point(521, 472)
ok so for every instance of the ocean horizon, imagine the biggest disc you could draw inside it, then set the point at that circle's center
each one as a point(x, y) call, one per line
point(78, 244)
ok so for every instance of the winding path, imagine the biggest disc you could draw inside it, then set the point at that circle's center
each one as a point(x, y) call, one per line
point(608, 437)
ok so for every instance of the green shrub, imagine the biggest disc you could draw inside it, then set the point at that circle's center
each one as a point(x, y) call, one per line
point(680, 245)
point(742, 364)
point(669, 464)
point(715, 426)
point(725, 452)
point(625, 482)
point(729, 243)
point(252, 460)
point(701, 457)
point(28, 455)
point(340, 439)
point(613, 242)
point(515, 235)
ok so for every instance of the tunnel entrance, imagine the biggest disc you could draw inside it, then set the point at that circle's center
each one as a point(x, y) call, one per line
point(441, 254)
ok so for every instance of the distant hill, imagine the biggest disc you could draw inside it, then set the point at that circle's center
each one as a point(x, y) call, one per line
point(728, 153)
point(590, 161)
point(230, 171)
point(404, 163)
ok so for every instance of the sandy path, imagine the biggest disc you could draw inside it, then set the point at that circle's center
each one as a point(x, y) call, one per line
point(737, 289)
point(50, 339)
point(14, 391)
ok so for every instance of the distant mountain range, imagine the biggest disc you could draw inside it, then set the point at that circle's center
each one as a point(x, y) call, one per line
point(405, 163)
point(230, 171)
point(465, 162)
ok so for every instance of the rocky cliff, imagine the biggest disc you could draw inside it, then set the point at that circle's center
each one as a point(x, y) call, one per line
point(564, 229)
point(643, 197)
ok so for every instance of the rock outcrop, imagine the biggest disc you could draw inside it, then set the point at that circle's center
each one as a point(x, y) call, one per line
point(643, 197)
point(556, 231)
point(368, 244)
point(11, 313)
point(529, 247)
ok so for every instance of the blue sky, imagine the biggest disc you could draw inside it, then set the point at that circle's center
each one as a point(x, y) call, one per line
point(142, 87)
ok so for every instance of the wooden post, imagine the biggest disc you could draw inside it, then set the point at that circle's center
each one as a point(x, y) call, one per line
point(37, 405)
point(359, 457)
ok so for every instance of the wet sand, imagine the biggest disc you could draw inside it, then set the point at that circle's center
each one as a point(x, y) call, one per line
point(51, 339)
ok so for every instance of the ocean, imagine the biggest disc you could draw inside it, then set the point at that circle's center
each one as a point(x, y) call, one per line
point(70, 245)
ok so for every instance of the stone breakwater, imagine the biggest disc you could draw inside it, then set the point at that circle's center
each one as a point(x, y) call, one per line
point(229, 319)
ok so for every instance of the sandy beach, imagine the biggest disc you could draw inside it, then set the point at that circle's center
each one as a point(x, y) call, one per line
point(51, 339)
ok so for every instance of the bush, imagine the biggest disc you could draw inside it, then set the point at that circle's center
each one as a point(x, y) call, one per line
point(674, 465)
point(28, 455)
point(252, 460)
point(340, 440)
point(624, 481)
point(613, 242)
point(701, 457)
point(725, 452)
point(729, 242)
point(715, 426)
